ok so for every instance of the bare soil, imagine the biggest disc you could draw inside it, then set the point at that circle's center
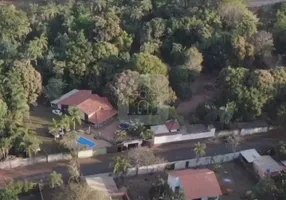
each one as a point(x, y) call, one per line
point(138, 186)
point(235, 180)
point(203, 90)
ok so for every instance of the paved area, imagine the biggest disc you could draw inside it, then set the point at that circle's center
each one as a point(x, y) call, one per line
point(170, 152)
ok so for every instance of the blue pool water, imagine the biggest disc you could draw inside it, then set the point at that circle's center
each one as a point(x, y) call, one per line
point(86, 142)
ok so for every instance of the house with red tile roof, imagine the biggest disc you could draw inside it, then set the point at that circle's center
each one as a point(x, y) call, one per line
point(94, 108)
point(196, 184)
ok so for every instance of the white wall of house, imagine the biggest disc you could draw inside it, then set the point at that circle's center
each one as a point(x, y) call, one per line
point(182, 137)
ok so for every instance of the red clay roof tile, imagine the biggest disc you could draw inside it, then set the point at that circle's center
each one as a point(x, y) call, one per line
point(198, 183)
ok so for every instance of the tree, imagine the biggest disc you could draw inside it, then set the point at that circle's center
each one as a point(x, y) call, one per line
point(75, 116)
point(55, 128)
point(30, 79)
point(104, 50)
point(122, 90)
point(65, 123)
point(193, 60)
point(147, 134)
point(263, 43)
point(14, 24)
point(79, 191)
point(143, 156)
point(120, 136)
point(15, 97)
point(262, 80)
point(54, 88)
point(5, 146)
point(270, 188)
point(74, 170)
point(56, 179)
point(161, 190)
point(148, 64)
point(234, 141)
point(239, 18)
point(37, 47)
point(200, 150)
point(106, 28)
point(70, 141)
point(29, 143)
point(121, 166)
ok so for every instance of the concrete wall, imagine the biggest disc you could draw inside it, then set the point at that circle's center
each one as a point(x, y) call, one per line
point(250, 131)
point(182, 164)
point(246, 131)
point(207, 160)
point(225, 133)
point(85, 153)
point(183, 137)
point(58, 157)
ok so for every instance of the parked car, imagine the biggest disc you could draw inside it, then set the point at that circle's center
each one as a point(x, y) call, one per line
point(57, 112)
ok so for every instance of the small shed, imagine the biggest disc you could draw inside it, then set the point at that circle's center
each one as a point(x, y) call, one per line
point(250, 155)
point(267, 166)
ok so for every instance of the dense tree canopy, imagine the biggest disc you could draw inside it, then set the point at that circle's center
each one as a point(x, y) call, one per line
point(116, 48)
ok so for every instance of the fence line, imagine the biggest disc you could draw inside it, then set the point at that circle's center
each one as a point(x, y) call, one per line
point(183, 164)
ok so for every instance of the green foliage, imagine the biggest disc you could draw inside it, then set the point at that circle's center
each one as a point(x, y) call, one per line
point(54, 88)
point(13, 189)
point(31, 80)
point(128, 89)
point(121, 166)
point(161, 190)
point(145, 63)
point(104, 50)
point(270, 188)
point(200, 149)
point(91, 45)
point(147, 134)
point(14, 23)
point(56, 179)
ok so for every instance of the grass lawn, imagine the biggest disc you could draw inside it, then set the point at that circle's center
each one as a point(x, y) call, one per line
point(40, 120)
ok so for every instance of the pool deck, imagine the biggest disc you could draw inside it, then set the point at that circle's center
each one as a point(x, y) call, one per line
point(99, 143)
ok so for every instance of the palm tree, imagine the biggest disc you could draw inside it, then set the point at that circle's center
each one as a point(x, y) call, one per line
point(121, 166)
point(200, 150)
point(49, 11)
point(75, 117)
point(5, 146)
point(234, 140)
point(30, 143)
point(74, 170)
point(70, 141)
point(55, 129)
point(56, 179)
point(65, 122)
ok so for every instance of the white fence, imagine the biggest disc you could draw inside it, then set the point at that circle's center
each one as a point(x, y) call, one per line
point(21, 162)
point(183, 164)
point(183, 135)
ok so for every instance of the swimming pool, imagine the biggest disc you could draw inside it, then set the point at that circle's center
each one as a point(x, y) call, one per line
point(86, 142)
